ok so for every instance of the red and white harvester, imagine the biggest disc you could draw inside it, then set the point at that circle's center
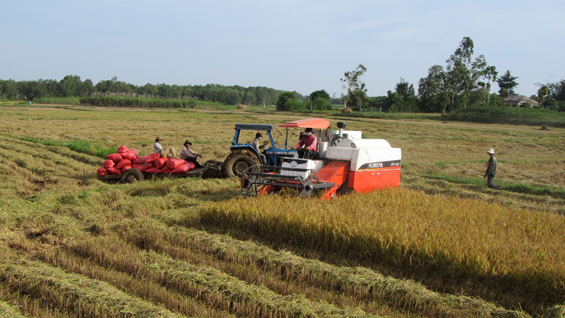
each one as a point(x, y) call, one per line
point(345, 161)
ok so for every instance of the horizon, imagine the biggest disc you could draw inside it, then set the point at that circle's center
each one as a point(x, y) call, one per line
point(288, 46)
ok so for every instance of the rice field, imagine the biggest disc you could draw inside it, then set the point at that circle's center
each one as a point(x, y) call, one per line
point(442, 245)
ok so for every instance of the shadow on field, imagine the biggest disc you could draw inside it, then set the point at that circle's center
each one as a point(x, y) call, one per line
point(532, 294)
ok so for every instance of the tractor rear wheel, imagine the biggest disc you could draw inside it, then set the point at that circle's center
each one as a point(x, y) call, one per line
point(131, 176)
point(236, 162)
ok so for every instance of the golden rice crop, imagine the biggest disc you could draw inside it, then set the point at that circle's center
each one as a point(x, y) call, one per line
point(404, 228)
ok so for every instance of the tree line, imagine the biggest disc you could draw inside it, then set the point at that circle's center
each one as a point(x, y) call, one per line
point(73, 86)
point(464, 81)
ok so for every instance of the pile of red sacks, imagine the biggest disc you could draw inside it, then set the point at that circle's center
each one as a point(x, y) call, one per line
point(126, 158)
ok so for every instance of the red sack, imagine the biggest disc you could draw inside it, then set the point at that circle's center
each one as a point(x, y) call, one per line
point(123, 163)
point(122, 149)
point(102, 171)
point(160, 163)
point(108, 164)
point(184, 167)
point(114, 171)
point(153, 170)
point(152, 157)
point(126, 168)
point(165, 169)
point(140, 160)
point(173, 163)
point(115, 157)
point(138, 167)
point(130, 155)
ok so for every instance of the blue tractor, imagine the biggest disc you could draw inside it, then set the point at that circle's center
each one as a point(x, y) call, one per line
point(244, 156)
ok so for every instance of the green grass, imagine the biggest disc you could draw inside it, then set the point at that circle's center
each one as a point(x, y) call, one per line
point(509, 115)
point(82, 146)
point(57, 100)
point(513, 187)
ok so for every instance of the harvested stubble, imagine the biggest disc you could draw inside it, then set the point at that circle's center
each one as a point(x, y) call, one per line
point(213, 286)
point(9, 311)
point(75, 293)
point(360, 282)
point(456, 238)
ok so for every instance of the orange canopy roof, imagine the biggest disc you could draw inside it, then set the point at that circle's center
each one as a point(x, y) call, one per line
point(318, 123)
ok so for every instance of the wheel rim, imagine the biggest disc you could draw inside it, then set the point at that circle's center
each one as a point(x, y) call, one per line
point(239, 166)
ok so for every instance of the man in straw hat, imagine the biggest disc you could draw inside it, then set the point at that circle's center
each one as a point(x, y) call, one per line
point(190, 155)
point(158, 148)
point(491, 171)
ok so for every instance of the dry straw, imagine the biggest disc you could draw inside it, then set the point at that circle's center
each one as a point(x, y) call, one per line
point(76, 293)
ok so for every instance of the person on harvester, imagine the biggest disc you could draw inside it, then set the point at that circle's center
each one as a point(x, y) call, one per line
point(310, 143)
point(190, 155)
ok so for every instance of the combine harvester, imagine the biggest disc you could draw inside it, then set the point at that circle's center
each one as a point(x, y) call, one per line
point(344, 162)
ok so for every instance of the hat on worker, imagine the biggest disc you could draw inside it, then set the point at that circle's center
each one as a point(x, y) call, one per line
point(258, 135)
point(490, 151)
point(302, 134)
point(158, 138)
point(308, 130)
point(187, 142)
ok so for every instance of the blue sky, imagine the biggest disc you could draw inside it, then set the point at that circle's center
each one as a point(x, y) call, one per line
point(288, 45)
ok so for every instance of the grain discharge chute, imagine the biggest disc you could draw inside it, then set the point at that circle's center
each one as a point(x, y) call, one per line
point(344, 162)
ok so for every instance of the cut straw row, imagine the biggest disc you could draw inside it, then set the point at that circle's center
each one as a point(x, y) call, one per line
point(358, 281)
point(75, 293)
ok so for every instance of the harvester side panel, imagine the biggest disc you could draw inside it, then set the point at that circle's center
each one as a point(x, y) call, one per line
point(373, 179)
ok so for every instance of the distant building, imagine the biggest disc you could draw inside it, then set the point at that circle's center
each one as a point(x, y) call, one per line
point(518, 100)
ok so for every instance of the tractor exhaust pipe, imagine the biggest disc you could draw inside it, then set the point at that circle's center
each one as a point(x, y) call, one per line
point(341, 125)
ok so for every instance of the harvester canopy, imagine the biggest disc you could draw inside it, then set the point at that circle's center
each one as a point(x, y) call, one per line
point(315, 123)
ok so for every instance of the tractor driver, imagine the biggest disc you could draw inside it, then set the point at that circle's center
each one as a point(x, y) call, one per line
point(258, 137)
point(310, 143)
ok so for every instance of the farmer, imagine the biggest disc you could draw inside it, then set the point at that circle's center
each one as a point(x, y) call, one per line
point(491, 171)
point(258, 137)
point(158, 148)
point(190, 155)
point(310, 143)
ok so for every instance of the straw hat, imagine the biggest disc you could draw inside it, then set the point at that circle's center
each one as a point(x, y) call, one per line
point(490, 151)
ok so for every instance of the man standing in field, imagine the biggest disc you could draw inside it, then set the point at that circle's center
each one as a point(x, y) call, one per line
point(491, 171)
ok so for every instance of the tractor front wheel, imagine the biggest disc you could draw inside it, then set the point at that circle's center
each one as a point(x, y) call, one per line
point(236, 162)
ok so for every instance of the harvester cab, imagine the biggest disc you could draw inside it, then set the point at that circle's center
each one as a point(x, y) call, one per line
point(344, 161)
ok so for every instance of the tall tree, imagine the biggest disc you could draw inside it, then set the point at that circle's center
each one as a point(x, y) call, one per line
point(507, 82)
point(542, 92)
point(490, 75)
point(352, 81)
